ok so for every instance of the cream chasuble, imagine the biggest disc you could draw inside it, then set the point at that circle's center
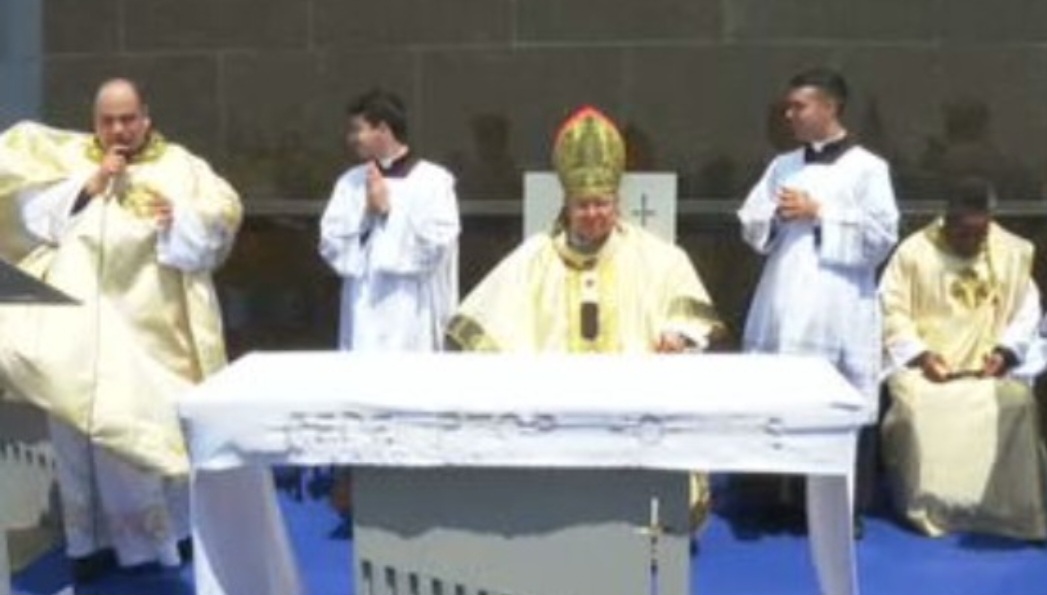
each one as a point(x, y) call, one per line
point(547, 298)
point(147, 327)
point(966, 454)
point(637, 287)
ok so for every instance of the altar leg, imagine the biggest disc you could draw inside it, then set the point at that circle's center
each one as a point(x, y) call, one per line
point(456, 531)
point(829, 518)
point(5, 564)
point(241, 546)
point(830, 513)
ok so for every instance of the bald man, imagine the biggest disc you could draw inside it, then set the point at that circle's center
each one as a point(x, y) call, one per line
point(131, 226)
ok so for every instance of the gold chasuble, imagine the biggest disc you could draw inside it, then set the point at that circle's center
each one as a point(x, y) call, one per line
point(545, 297)
point(965, 454)
point(621, 296)
point(143, 332)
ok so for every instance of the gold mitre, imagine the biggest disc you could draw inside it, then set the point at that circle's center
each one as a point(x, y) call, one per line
point(589, 155)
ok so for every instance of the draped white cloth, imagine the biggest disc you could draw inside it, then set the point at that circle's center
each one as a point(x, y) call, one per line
point(685, 413)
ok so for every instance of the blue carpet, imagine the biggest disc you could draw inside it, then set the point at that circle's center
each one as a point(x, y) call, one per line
point(47, 575)
point(50, 574)
point(892, 561)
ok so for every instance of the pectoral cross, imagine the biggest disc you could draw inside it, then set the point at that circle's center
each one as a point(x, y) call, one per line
point(653, 531)
point(643, 212)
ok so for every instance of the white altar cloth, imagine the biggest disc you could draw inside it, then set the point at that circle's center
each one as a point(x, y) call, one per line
point(749, 413)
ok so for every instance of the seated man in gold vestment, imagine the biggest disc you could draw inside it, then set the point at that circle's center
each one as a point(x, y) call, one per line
point(961, 437)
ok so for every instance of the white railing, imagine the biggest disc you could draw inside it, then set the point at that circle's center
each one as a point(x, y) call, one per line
point(502, 207)
point(28, 472)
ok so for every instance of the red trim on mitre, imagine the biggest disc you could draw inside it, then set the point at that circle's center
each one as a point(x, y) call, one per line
point(580, 114)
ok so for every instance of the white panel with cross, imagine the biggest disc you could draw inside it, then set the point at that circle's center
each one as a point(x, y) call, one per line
point(648, 199)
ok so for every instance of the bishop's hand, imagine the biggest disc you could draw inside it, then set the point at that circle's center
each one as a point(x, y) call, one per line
point(671, 343)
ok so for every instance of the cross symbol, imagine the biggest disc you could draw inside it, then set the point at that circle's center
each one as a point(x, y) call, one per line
point(653, 531)
point(644, 211)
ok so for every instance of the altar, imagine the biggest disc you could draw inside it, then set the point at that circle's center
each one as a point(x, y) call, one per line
point(452, 418)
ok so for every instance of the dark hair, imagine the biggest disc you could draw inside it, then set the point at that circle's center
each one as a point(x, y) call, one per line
point(969, 195)
point(378, 106)
point(827, 81)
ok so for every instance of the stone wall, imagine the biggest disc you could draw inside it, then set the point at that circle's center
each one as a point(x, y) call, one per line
point(259, 87)
point(20, 59)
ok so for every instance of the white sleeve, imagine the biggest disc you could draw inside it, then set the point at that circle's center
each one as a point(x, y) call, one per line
point(204, 222)
point(188, 245)
point(904, 350)
point(1034, 360)
point(417, 235)
point(901, 335)
point(46, 212)
point(1022, 330)
point(758, 213)
point(342, 226)
point(862, 234)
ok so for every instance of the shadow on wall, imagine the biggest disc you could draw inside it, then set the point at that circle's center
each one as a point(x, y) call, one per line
point(965, 146)
point(275, 291)
point(488, 170)
point(286, 167)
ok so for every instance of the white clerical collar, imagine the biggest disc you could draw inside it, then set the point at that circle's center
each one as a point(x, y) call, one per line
point(387, 162)
point(399, 166)
point(819, 145)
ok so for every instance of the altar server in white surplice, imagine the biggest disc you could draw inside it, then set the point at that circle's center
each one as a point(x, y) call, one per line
point(825, 216)
point(390, 231)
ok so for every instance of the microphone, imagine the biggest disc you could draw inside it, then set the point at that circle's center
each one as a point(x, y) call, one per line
point(117, 185)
